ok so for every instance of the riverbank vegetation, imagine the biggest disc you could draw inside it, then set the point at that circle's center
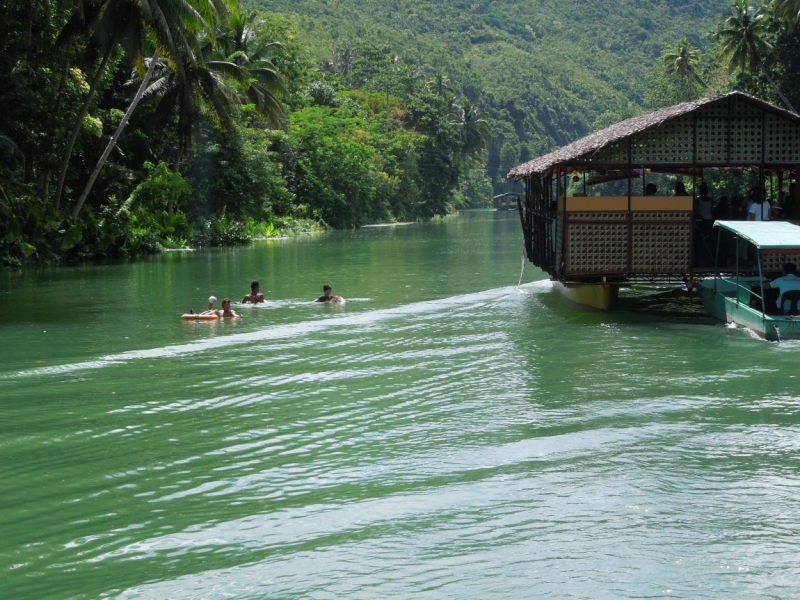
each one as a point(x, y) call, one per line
point(128, 127)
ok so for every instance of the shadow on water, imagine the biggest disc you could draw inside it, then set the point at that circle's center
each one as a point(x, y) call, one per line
point(637, 306)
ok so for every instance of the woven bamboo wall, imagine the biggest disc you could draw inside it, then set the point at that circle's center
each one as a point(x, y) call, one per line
point(772, 262)
point(727, 133)
point(607, 243)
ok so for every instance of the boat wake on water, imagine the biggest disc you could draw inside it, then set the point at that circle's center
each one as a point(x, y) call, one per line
point(286, 331)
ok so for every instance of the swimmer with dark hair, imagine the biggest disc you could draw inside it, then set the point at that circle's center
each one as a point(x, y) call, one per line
point(226, 312)
point(255, 296)
point(328, 298)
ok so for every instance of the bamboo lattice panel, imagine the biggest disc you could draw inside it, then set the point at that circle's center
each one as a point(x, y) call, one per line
point(712, 140)
point(616, 153)
point(783, 141)
point(597, 248)
point(661, 248)
point(663, 216)
point(746, 139)
point(772, 262)
point(671, 143)
point(597, 216)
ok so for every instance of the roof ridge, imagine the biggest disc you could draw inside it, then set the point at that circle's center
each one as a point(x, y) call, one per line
point(603, 138)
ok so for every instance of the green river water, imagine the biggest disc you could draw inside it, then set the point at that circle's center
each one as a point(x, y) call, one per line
point(446, 433)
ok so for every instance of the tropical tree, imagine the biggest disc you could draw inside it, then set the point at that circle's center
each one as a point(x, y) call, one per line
point(682, 62)
point(170, 25)
point(111, 22)
point(743, 45)
point(788, 10)
point(215, 84)
point(240, 42)
point(474, 131)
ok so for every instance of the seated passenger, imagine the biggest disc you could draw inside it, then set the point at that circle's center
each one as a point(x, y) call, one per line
point(327, 298)
point(254, 297)
point(651, 189)
point(788, 283)
point(226, 312)
point(680, 189)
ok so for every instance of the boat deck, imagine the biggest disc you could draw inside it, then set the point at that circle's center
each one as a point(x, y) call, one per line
point(734, 300)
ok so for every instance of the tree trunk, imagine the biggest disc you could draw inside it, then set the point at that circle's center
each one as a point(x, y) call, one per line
point(62, 174)
point(772, 83)
point(113, 141)
point(44, 184)
point(176, 168)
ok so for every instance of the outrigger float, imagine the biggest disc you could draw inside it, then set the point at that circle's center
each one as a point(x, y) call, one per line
point(591, 246)
point(739, 296)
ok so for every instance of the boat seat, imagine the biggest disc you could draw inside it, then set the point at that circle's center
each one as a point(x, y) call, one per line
point(793, 297)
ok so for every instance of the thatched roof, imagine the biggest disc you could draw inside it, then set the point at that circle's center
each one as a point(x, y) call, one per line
point(598, 140)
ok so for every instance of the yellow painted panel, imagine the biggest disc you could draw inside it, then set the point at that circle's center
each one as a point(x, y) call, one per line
point(661, 203)
point(606, 203)
point(603, 203)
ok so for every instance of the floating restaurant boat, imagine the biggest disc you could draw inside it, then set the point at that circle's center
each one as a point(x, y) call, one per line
point(591, 246)
point(739, 296)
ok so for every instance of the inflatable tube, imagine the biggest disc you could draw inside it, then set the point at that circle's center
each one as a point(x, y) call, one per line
point(196, 317)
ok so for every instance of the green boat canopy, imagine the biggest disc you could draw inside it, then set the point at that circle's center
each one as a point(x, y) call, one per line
point(765, 235)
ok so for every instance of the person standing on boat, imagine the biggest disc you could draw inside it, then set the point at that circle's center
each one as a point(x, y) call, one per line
point(705, 205)
point(759, 209)
point(790, 282)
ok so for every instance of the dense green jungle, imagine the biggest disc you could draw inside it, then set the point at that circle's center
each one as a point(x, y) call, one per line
point(128, 128)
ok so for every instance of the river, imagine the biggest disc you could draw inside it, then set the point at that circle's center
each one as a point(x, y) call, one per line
point(446, 433)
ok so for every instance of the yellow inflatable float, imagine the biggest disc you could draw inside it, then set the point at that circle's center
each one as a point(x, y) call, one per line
point(197, 317)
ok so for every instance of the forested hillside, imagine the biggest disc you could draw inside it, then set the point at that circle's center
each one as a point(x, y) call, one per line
point(130, 126)
point(545, 71)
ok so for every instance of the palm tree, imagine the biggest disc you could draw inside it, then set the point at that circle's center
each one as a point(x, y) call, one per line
point(788, 10)
point(683, 63)
point(108, 23)
point(743, 45)
point(215, 84)
point(239, 38)
point(474, 131)
point(170, 25)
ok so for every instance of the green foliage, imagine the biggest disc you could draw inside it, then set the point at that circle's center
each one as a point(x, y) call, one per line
point(162, 190)
point(223, 231)
point(547, 69)
point(677, 76)
point(475, 190)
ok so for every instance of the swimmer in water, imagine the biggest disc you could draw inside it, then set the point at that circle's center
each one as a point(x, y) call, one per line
point(211, 301)
point(226, 312)
point(327, 298)
point(255, 296)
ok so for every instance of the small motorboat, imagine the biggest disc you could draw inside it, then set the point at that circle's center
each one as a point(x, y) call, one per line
point(738, 295)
